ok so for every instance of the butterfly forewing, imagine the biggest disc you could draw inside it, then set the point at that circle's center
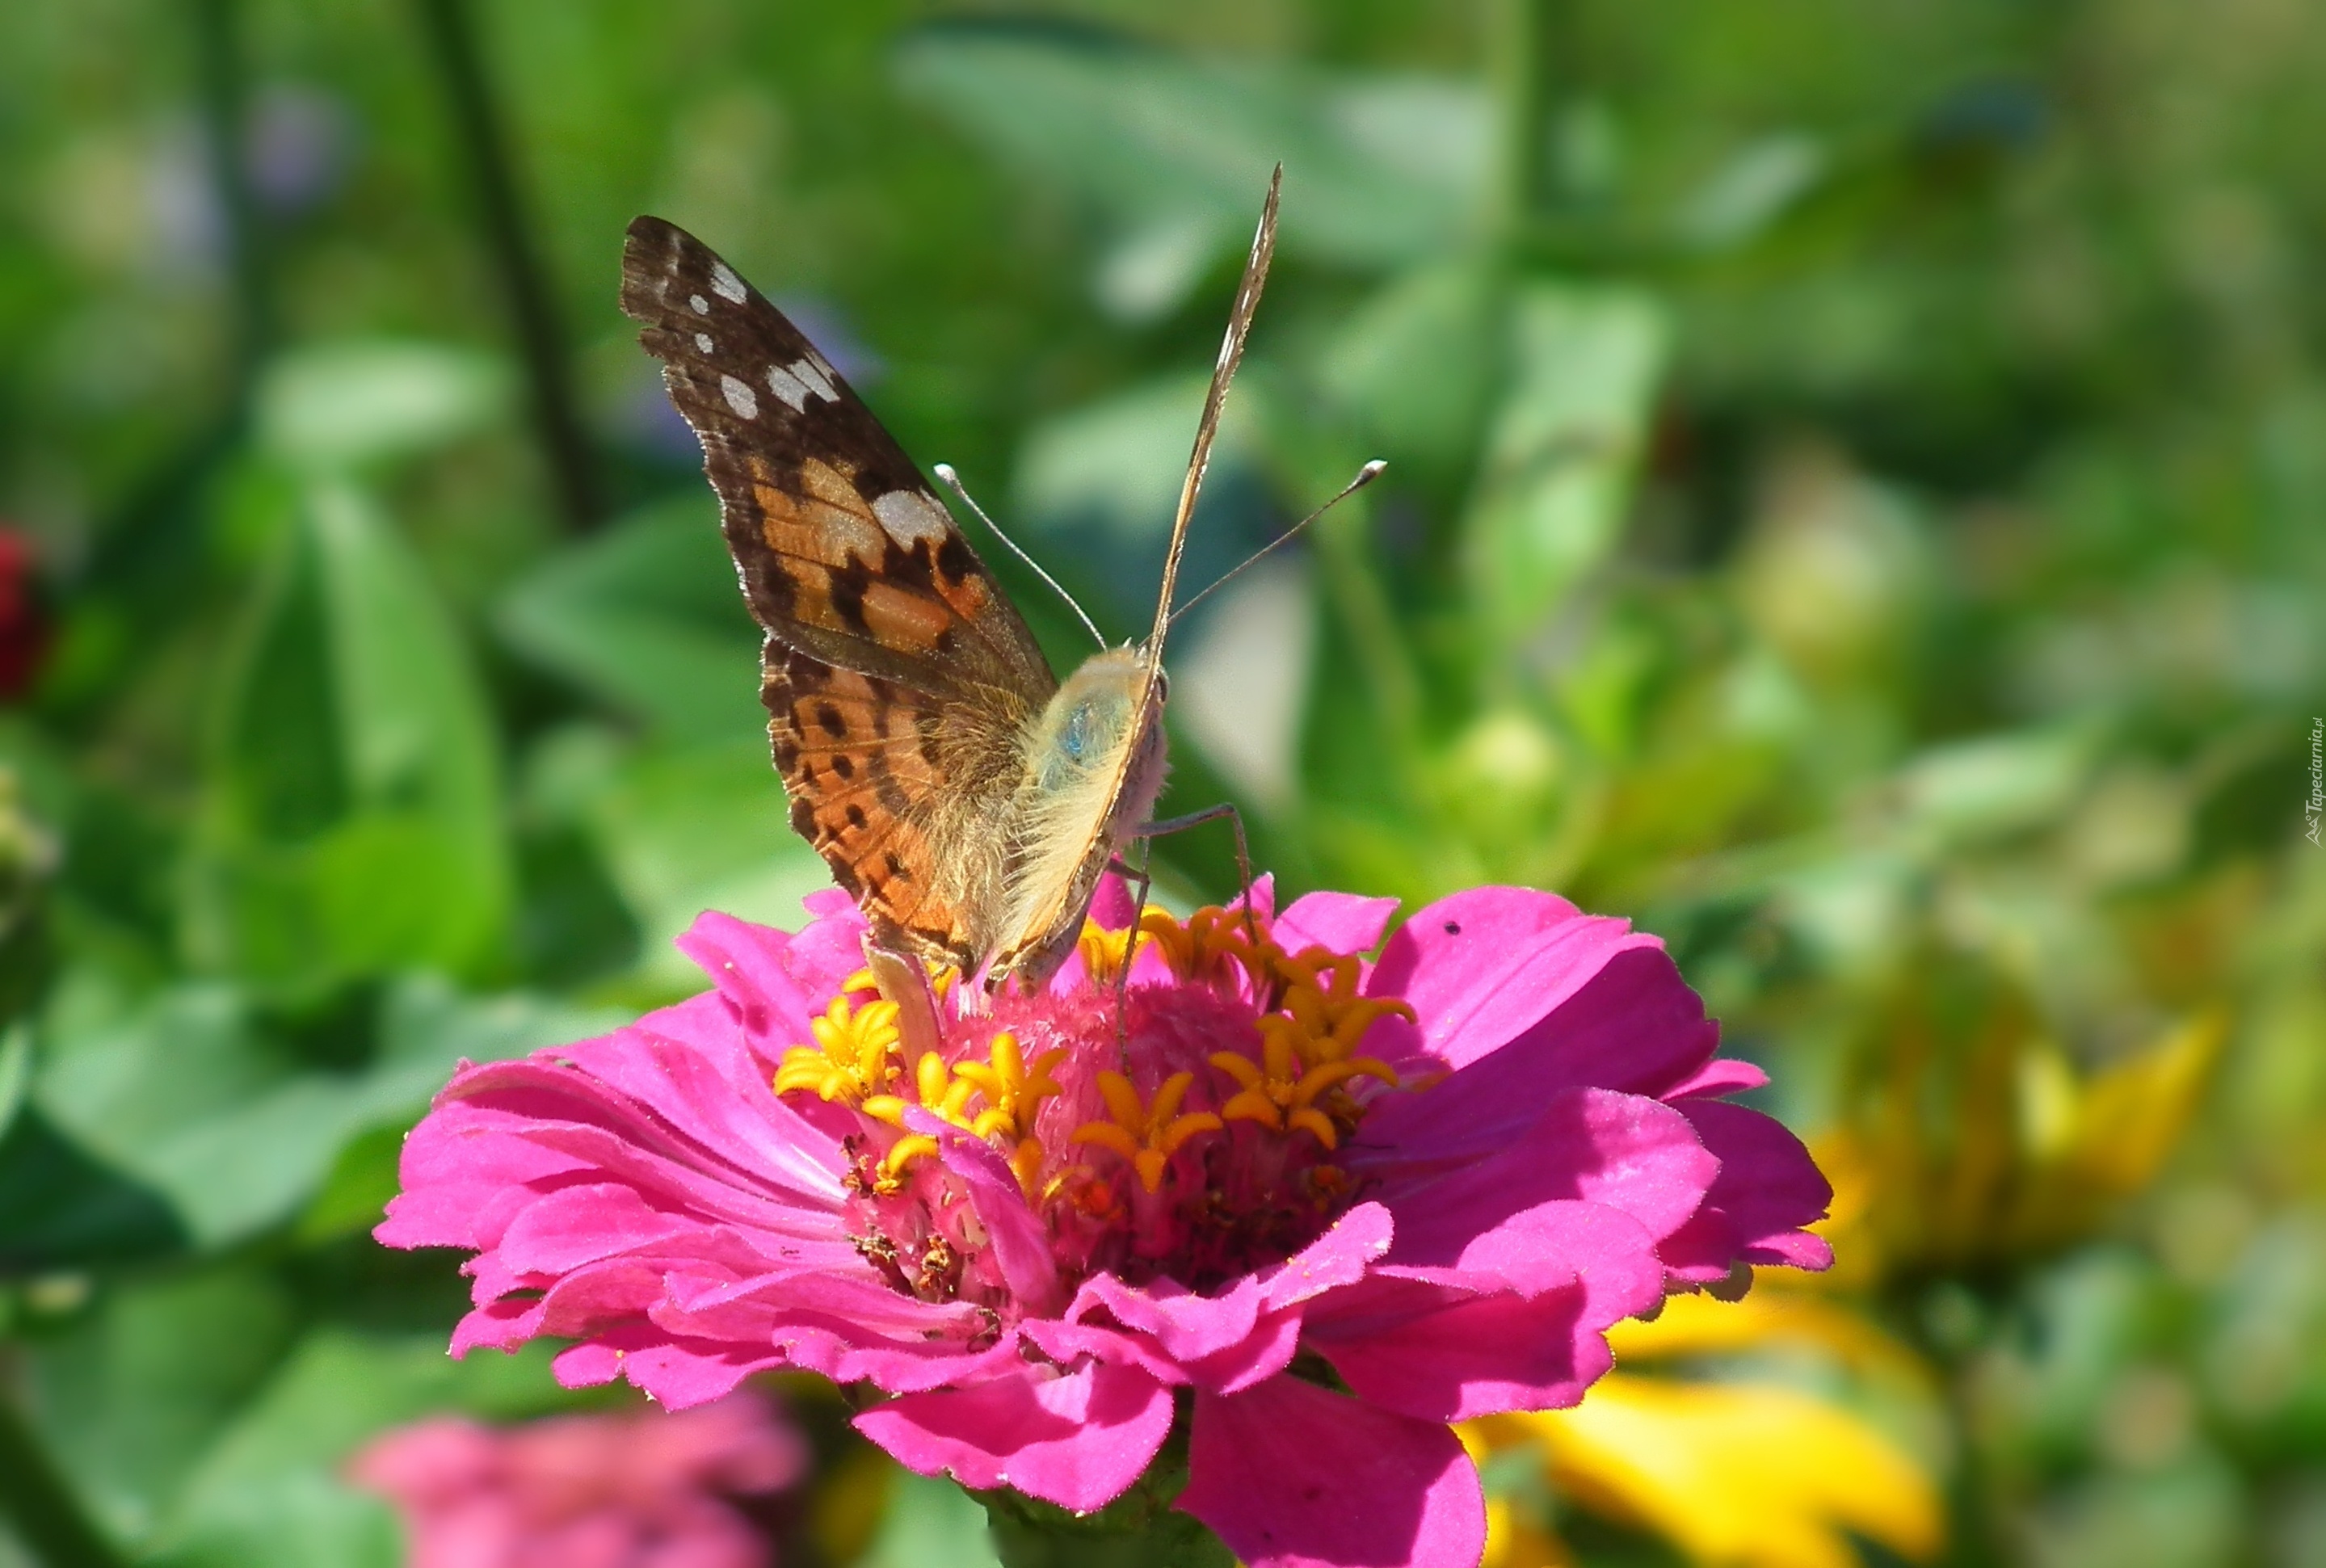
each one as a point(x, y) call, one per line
point(896, 677)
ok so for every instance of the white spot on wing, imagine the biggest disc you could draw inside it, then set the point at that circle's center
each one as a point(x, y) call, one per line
point(911, 515)
point(816, 378)
point(789, 387)
point(740, 397)
point(700, 306)
point(725, 282)
point(702, 342)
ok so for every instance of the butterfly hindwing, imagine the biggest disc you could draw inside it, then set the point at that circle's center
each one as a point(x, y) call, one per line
point(900, 794)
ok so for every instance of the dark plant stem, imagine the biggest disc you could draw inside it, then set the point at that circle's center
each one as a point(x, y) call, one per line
point(557, 423)
point(48, 1518)
point(150, 534)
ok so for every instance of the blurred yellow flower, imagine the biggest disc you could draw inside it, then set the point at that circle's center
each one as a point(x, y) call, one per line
point(2030, 1158)
point(1753, 1475)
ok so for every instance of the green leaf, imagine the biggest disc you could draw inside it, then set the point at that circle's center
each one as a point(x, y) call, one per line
point(61, 1210)
point(646, 616)
point(1117, 463)
point(132, 1394)
point(930, 1523)
point(683, 830)
point(271, 1492)
point(1994, 785)
point(1379, 169)
point(336, 405)
point(352, 822)
point(1416, 365)
point(1551, 498)
point(186, 1095)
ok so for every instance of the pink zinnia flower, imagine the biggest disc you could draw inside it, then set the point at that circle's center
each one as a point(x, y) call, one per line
point(646, 1489)
point(1330, 1205)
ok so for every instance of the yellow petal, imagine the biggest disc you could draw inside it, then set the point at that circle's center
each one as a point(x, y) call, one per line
point(1700, 1325)
point(1738, 1474)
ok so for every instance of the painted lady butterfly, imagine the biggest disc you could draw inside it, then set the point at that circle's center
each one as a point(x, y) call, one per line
point(966, 799)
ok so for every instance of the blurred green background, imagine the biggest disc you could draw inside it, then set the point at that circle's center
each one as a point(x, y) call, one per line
point(1857, 506)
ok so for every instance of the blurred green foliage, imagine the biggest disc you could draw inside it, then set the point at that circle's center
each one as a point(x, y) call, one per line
point(1858, 505)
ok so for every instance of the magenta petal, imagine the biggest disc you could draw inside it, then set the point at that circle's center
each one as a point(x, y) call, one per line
point(1341, 922)
point(1064, 1343)
point(1768, 1188)
point(1481, 1356)
point(1354, 1243)
point(678, 1373)
point(1482, 967)
point(1021, 1244)
point(1262, 1354)
point(1631, 1025)
point(830, 948)
point(1623, 1152)
point(1076, 1441)
point(1187, 1326)
point(1289, 1475)
point(577, 1225)
point(746, 964)
point(1722, 1075)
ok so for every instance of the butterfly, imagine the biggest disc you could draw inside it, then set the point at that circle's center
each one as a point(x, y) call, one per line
point(967, 799)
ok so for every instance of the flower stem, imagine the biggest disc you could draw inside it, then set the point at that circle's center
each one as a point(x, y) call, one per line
point(35, 1498)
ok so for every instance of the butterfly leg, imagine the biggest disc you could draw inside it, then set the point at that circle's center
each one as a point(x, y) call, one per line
point(1148, 832)
point(1146, 880)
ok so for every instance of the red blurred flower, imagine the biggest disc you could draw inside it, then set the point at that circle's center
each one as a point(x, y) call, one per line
point(649, 1489)
point(24, 625)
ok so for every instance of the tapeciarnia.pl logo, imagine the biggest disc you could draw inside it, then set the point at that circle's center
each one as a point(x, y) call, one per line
point(2315, 807)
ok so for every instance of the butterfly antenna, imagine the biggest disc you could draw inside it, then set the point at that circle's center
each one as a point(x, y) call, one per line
point(1365, 476)
point(952, 481)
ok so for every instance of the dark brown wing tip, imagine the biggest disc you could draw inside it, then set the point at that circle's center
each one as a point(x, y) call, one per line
point(651, 249)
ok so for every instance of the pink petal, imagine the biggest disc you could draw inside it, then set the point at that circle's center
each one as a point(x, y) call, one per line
point(1623, 1152)
point(1768, 1188)
point(746, 964)
point(1341, 922)
point(1722, 1075)
point(1187, 1326)
point(1482, 967)
point(1350, 1245)
point(1076, 1441)
point(1624, 1020)
point(577, 1225)
point(1482, 1357)
point(1289, 1475)
point(679, 1374)
point(1021, 1244)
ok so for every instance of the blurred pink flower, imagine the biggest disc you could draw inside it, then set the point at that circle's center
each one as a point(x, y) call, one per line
point(646, 1489)
point(1436, 1178)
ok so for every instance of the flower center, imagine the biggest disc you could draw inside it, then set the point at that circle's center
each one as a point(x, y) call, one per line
point(1183, 1125)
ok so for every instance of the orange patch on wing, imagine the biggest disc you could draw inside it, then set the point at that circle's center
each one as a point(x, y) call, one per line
point(968, 598)
point(903, 619)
